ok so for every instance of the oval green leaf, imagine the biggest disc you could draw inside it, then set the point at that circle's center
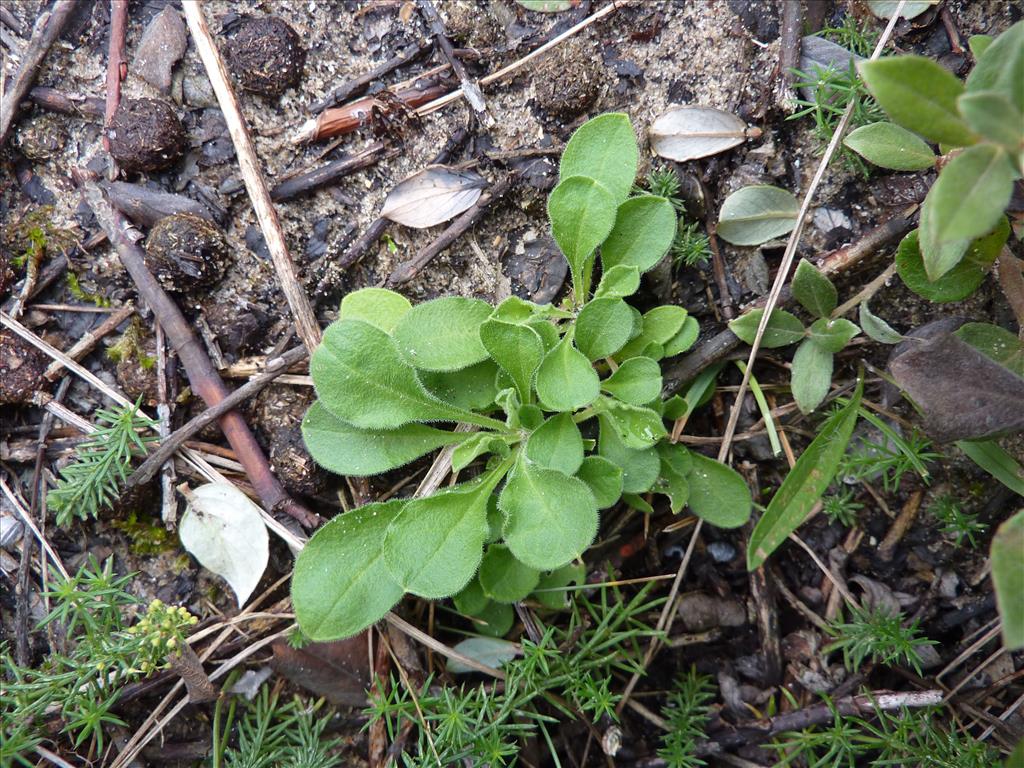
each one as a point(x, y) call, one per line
point(361, 378)
point(348, 450)
point(556, 444)
point(340, 584)
point(566, 380)
point(756, 214)
point(718, 493)
point(503, 578)
point(550, 517)
point(811, 375)
point(517, 349)
point(783, 329)
point(434, 545)
point(582, 213)
point(920, 95)
point(603, 149)
point(890, 146)
point(602, 327)
point(644, 229)
point(377, 306)
point(637, 381)
point(443, 334)
point(961, 281)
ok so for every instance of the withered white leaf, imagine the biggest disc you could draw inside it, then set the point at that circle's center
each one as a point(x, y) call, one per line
point(433, 196)
point(687, 133)
point(222, 528)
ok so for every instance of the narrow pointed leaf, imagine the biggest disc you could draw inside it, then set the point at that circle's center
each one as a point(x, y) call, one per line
point(804, 484)
point(876, 328)
point(1008, 578)
point(811, 375)
point(1000, 67)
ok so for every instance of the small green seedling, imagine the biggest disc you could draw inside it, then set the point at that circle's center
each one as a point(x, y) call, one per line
point(979, 128)
point(818, 343)
point(564, 404)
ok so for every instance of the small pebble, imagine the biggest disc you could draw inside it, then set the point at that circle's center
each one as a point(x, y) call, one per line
point(721, 551)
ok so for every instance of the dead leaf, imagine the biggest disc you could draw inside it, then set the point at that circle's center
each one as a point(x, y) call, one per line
point(338, 670)
point(963, 394)
point(222, 528)
point(433, 196)
point(687, 133)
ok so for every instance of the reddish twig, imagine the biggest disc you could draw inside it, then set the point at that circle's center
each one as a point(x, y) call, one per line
point(117, 64)
point(45, 33)
point(55, 101)
point(354, 115)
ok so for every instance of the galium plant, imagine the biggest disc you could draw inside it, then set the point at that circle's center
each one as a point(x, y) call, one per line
point(102, 463)
point(565, 672)
point(564, 402)
point(106, 653)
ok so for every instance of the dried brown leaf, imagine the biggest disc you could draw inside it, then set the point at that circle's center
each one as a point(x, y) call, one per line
point(433, 196)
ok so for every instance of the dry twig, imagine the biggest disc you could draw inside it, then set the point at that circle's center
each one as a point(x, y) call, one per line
point(305, 321)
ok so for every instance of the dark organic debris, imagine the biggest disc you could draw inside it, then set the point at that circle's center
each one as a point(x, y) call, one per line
point(964, 394)
point(146, 135)
point(339, 671)
point(265, 55)
point(21, 368)
point(536, 268)
point(186, 252)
